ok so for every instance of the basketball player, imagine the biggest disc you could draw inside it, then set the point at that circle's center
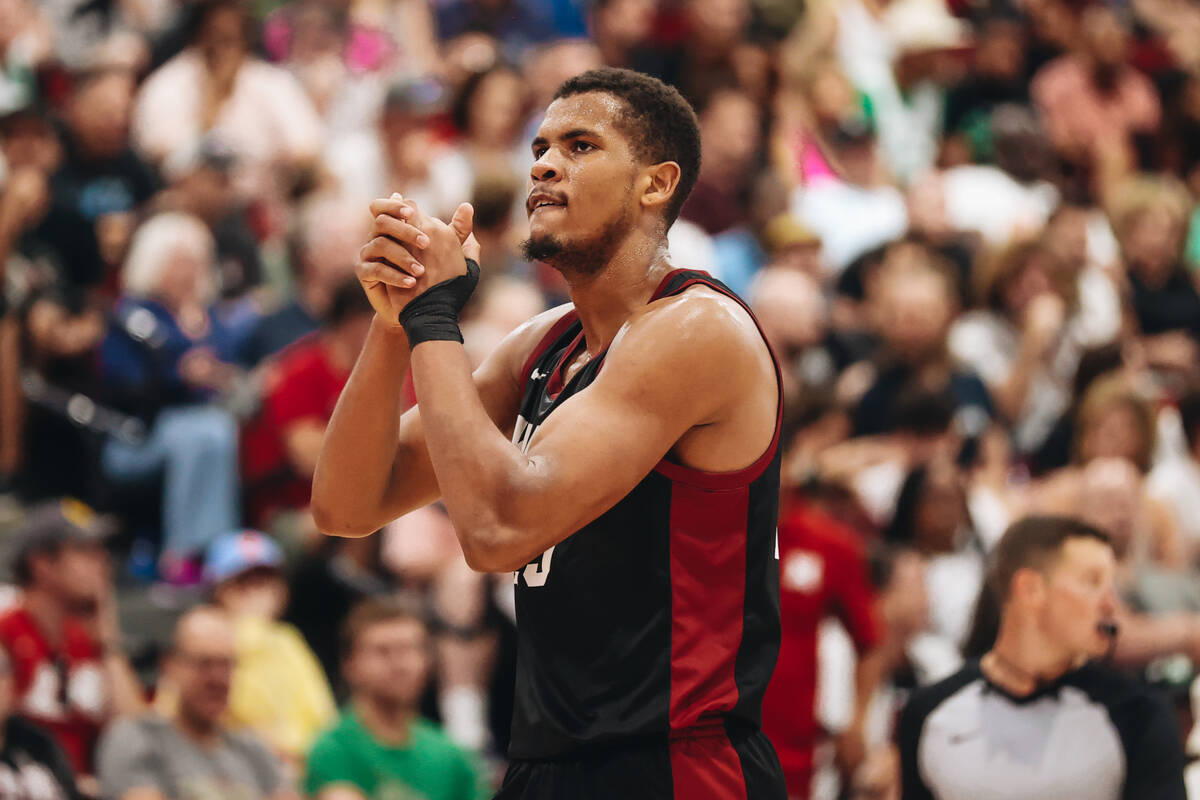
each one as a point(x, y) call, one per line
point(619, 455)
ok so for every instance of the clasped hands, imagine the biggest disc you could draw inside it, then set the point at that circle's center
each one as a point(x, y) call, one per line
point(409, 252)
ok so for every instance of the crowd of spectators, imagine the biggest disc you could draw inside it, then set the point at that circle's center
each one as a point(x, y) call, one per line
point(969, 228)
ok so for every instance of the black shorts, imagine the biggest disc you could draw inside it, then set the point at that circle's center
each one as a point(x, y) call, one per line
point(709, 765)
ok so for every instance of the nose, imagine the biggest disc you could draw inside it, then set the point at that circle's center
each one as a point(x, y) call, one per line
point(1108, 603)
point(544, 170)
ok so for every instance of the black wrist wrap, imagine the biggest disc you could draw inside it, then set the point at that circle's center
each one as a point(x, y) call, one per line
point(432, 316)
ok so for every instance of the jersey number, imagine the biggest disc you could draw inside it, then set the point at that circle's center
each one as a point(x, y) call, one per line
point(537, 571)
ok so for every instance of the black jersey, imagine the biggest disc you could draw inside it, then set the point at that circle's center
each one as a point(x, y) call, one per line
point(1091, 735)
point(662, 615)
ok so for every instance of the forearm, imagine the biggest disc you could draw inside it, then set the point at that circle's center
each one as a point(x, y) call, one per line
point(359, 452)
point(869, 673)
point(126, 690)
point(480, 472)
point(1011, 393)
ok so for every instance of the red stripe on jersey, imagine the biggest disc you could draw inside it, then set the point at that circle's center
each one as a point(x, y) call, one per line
point(706, 768)
point(708, 590)
point(678, 473)
point(565, 321)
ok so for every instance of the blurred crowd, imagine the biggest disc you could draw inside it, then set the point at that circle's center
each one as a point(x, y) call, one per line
point(969, 229)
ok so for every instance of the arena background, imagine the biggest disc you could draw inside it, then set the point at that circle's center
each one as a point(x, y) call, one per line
point(969, 229)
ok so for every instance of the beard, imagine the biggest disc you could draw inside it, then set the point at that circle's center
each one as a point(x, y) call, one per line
point(581, 258)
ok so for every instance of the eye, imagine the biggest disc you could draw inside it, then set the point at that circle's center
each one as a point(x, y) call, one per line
point(582, 147)
point(539, 151)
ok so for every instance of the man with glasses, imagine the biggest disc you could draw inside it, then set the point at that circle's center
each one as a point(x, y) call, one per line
point(187, 754)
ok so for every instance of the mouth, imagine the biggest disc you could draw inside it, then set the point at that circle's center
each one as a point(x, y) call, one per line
point(541, 201)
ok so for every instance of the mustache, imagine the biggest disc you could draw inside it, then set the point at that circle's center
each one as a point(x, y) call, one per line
point(540, 194)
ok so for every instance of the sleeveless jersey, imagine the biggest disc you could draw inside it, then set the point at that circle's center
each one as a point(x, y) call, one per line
point(662, 615)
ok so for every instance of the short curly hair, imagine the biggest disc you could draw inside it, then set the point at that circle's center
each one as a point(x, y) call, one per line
point(660, 123)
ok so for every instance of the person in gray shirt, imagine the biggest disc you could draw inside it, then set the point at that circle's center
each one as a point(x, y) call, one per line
point(1037, 717)
point(189, 755)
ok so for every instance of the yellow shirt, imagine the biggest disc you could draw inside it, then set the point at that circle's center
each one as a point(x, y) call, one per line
point(279, 689)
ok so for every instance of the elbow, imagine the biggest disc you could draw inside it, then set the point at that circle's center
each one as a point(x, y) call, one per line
point(490, 549)
point(332, 523)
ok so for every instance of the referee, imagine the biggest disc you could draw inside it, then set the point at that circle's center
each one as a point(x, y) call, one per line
point(1036, 718)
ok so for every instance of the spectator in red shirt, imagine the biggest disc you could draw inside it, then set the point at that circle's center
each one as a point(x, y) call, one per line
point(71, 676)
point(280, 447)
point(823, 572)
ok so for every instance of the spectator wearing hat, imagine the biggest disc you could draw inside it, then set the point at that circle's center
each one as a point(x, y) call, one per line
point(31, 763)
point(188, 753)
point(381, 747)
point(68, 668)
point(278, 690)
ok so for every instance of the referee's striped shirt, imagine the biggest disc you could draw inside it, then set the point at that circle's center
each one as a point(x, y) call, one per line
point(1091, 735)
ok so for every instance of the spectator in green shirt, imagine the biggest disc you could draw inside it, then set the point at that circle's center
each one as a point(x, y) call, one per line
point(380, 748)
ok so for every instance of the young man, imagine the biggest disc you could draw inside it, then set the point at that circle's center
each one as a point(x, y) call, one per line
point(70, 674)
point(637, 498)
point(189, 754)
point(1034, 717)
point(381, 748)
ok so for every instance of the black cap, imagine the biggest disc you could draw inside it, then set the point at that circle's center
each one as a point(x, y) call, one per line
point(54, 524)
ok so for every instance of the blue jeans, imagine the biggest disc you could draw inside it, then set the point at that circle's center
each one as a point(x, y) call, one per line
point(194, 448)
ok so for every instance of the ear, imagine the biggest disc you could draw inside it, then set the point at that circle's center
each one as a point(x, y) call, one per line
point(1028, 587)
point(658, 184)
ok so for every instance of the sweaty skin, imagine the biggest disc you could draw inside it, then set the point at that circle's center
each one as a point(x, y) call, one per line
point(686, 377)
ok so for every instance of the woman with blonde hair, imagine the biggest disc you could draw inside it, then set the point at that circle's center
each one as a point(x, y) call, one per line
point(165, 359)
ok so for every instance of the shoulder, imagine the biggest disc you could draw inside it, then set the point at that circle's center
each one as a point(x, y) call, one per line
point(1118, 692)
point(925, 700)
point(435, 742)
point(334, 739)
point(700, 321)
point(13, 620)
point(249, 745)
point(134, 733)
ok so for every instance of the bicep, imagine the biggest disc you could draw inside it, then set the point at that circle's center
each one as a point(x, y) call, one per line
point(600, 443)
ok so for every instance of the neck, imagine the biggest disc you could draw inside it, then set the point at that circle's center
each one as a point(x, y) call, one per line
point(198, 729)
point(47, 612)
point(1023, 659)
point(388, 723)
point(607, 300)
